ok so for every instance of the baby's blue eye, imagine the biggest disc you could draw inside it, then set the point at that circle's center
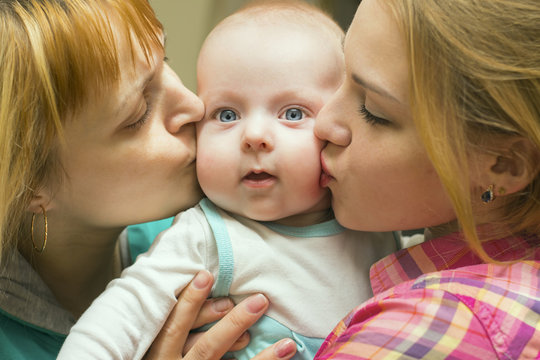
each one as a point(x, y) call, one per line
point(294, 114)
point(227, 116)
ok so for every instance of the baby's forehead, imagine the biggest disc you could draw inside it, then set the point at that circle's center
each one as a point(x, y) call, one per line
point(251, 27)
point(270, 39)
point(281, 14)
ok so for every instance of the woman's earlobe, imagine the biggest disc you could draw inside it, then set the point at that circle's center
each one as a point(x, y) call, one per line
point(38, 201)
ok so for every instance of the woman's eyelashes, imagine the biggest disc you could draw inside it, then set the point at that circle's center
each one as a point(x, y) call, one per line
point(142, 120)
point(150, 93)
point(372, 119)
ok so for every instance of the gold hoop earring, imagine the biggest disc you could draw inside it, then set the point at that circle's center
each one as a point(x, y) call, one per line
point(488, 195)
point(39, 251)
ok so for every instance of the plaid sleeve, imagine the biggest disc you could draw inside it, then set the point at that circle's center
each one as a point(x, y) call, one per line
point(418, 323)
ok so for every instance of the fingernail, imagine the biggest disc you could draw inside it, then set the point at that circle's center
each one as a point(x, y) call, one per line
point(202, 279)
point(222, 305)
point(243, 337)
point(256, 303)
point(285, 348)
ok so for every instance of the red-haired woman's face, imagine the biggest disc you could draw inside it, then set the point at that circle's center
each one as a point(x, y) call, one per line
point(130, 155)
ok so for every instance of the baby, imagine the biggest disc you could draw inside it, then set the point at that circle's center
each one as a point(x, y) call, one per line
point(266, 225)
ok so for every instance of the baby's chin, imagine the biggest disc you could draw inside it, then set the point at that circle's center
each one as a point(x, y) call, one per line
point(257, 213)
point(263, 214)
point(292, 211)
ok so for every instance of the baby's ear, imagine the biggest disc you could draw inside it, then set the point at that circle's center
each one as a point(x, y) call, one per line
point(515, 166)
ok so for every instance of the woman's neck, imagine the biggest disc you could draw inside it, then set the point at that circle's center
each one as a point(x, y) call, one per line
point(77, 264)
point(486, 217)
point(441, 230)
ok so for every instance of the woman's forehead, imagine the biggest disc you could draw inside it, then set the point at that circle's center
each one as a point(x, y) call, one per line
point(375, 52)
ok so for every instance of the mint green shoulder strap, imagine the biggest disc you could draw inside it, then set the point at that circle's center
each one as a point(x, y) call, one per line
point(224, 247)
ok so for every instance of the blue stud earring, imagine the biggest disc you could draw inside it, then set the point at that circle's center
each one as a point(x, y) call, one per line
point(488, 196)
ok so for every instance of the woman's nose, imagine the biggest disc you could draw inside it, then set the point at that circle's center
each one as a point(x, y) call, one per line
point(184, 106)
point(257, 134)
point(331, 124)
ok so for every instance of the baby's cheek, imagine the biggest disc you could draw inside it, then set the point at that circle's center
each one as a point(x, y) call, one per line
point(205, 168)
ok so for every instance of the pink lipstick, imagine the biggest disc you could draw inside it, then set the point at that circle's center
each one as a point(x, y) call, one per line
point(326, 177)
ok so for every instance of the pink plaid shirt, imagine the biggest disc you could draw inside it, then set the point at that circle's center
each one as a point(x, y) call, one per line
point(437, 300)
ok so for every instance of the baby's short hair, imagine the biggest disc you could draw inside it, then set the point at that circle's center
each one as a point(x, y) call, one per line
point(274, 11)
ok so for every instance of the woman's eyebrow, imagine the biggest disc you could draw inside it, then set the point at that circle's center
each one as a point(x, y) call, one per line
point(372, 87)
point(128, 97)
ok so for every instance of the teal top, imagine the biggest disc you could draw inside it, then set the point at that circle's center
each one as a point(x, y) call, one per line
point(141, 236)
point(22, 340)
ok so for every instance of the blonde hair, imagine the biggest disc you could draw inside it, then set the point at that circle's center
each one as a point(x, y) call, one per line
point(474, 78)
point(55, 55)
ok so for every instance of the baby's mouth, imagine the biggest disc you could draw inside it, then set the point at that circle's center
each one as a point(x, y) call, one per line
point(259, 180)
point(253, 176)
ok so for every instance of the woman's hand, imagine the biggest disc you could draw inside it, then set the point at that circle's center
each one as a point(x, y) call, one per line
point(193, 310)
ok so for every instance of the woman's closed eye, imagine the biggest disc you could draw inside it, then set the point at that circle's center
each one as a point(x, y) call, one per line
point(150, 91)
point(142, 120)
point(372, 119)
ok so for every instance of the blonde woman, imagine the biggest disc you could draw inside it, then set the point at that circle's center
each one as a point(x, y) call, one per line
point(96, 132)
point(437, 125)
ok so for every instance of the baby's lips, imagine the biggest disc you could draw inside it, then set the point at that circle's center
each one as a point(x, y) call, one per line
point(253, 176)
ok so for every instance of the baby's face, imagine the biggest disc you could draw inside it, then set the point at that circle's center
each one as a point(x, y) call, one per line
point(263, 86)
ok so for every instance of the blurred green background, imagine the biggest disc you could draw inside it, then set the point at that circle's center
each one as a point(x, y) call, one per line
point(187, 22)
